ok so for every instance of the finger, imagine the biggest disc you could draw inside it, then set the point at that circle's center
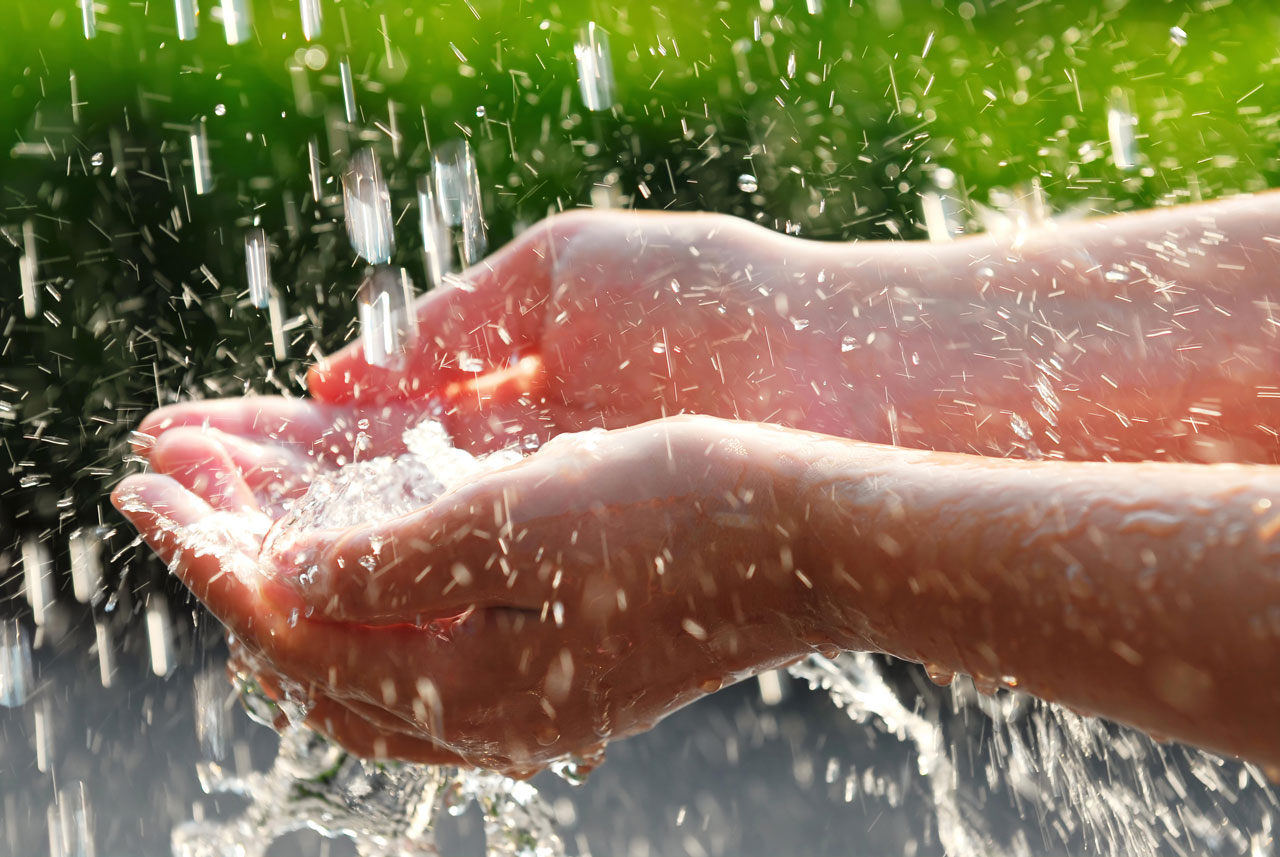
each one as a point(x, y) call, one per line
point(211, 555)
point(202, 465)
point(260, 418)
point(273, 473)
point(469, 326)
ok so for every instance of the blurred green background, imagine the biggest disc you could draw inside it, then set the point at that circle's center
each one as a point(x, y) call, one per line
point(826, 119)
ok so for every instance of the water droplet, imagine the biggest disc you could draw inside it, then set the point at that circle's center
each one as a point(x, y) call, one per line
point(220, 110)
point(385, 307)
point(848, 343)
point(938, 675)
point(37, 575)
point(257, 267)
point(188, 20)
point(1178, 36)
point(1122, 131)
point(200, 170)
point(711, 685)
point(457, 189)
point(480, 112)
point(530, 443)
point(312, 19)
point(748, 183)
point(86, 565)
point(595, 68)
point(28, 268)
point(97, 159)
point(367, 204)
point(159, 635)
point(435, 234)
point(348, 90)
point(1020, 426)
point(90, 18)
point(16, 677)
point(237, 21)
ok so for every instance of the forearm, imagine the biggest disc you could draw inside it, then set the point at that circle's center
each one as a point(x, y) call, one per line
point(1149, 335)
point(1149, 594)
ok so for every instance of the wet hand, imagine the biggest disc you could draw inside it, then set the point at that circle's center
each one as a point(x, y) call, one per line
point(608, 320)
point(536, 611)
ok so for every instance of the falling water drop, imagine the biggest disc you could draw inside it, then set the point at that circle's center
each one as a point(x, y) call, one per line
point(90, 18)
point(1122, 130)
point(257, 267)
point(200, 158)
point(385, 306)
point(367, 204)
point(748, 183)
point(28, 266)
point(940, 676)
point(1178, 36)
point(188, 20)
point(457, 187)
point(86, 565)
point(595, 68)
point(435, 234)
point(15, 664)
point(37, 575)
point(313, 168)
point(106, 654)
point(312, 19)
point(237, 21)
point(159, 635)
point(348, 90)
point(212, 723)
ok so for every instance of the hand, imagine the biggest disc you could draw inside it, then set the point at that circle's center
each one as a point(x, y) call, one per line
point(608, 320)
point(540, 610)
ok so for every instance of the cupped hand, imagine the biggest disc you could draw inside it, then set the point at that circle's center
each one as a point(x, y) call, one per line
point(611, 319)
point(535, 611)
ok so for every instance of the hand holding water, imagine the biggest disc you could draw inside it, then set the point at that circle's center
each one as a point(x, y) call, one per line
point(530, 613)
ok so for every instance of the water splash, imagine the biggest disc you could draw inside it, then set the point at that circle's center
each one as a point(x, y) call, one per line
point(388, 809)
point(1091, 786)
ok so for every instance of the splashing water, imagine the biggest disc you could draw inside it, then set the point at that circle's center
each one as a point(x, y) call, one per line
point(386, 807)
point(1091, 786)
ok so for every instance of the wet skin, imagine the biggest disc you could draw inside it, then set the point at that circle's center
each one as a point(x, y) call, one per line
point(610, 578)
